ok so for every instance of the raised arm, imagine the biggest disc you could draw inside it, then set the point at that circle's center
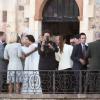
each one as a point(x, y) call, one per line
point(29, 53)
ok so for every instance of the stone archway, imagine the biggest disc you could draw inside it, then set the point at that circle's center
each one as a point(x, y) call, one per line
point(41, 3)
point(60, 17)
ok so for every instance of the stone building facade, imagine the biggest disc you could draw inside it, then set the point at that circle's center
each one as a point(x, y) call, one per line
point(25, 16)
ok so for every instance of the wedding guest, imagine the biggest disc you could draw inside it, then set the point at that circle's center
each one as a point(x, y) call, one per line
point(3, 63)
point(65, 66)
point(79, 59)
point(13, 53)
point(47, 62)
point(31, 67)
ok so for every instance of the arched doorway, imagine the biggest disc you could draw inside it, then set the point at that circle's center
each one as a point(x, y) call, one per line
point(61, 17)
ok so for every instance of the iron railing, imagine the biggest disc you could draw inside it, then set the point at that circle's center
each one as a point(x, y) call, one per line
point(52, 82)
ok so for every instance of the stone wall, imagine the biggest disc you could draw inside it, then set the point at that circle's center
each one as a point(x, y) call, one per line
point(97, 16)
point(50, 97)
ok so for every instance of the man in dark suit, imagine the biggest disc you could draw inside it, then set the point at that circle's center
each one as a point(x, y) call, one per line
point(79, 59)
point(76, 39)
point(3, 63)
point(93, 54)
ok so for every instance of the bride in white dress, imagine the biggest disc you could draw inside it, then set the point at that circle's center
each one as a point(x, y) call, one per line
point(31, 78)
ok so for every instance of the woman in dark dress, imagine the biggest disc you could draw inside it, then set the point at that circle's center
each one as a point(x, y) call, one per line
point(47, 62)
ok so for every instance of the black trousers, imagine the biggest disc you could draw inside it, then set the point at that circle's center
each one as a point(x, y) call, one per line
point(59, 82)
point(80, 81)
point(3, 81)
point(46, 81)
point(92, 82)
point(64, 81)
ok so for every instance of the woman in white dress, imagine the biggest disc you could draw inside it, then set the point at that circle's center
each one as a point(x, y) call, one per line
point(31, 79)
point(13, 53)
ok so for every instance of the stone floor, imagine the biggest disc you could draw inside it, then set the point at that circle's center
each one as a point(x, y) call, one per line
point(50, 97)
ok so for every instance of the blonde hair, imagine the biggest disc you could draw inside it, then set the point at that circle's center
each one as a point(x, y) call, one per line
point(12, 37)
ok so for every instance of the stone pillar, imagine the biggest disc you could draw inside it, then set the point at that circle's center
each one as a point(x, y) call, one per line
point(1, 15)
point(37, 29)
point(11, 15)
point(84, 24)
point(31, 17)
point(97, 16)
point(35, 24)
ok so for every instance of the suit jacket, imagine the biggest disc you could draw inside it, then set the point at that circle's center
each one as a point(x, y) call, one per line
point(3, 63)
point(76, 55)
point(93, 53)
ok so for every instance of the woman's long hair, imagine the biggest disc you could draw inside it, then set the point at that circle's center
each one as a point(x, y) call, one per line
point(62, 42)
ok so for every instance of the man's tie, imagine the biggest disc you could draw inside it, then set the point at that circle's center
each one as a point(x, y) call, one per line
point(84, 51)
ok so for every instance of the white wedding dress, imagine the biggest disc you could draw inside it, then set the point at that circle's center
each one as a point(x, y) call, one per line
point(31, 78)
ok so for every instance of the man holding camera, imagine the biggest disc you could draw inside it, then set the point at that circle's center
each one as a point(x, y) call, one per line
point(47, 49)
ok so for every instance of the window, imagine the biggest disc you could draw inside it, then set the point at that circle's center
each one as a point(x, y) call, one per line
point(4, 16)
point(26, 20)
point(21, 8)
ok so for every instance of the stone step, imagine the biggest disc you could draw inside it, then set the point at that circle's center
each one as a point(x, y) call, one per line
point(50, 97)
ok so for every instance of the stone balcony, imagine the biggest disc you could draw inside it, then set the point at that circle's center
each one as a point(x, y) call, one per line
point(50, 97)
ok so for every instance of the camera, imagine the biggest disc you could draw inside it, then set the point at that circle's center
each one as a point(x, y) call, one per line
point(47, 41)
